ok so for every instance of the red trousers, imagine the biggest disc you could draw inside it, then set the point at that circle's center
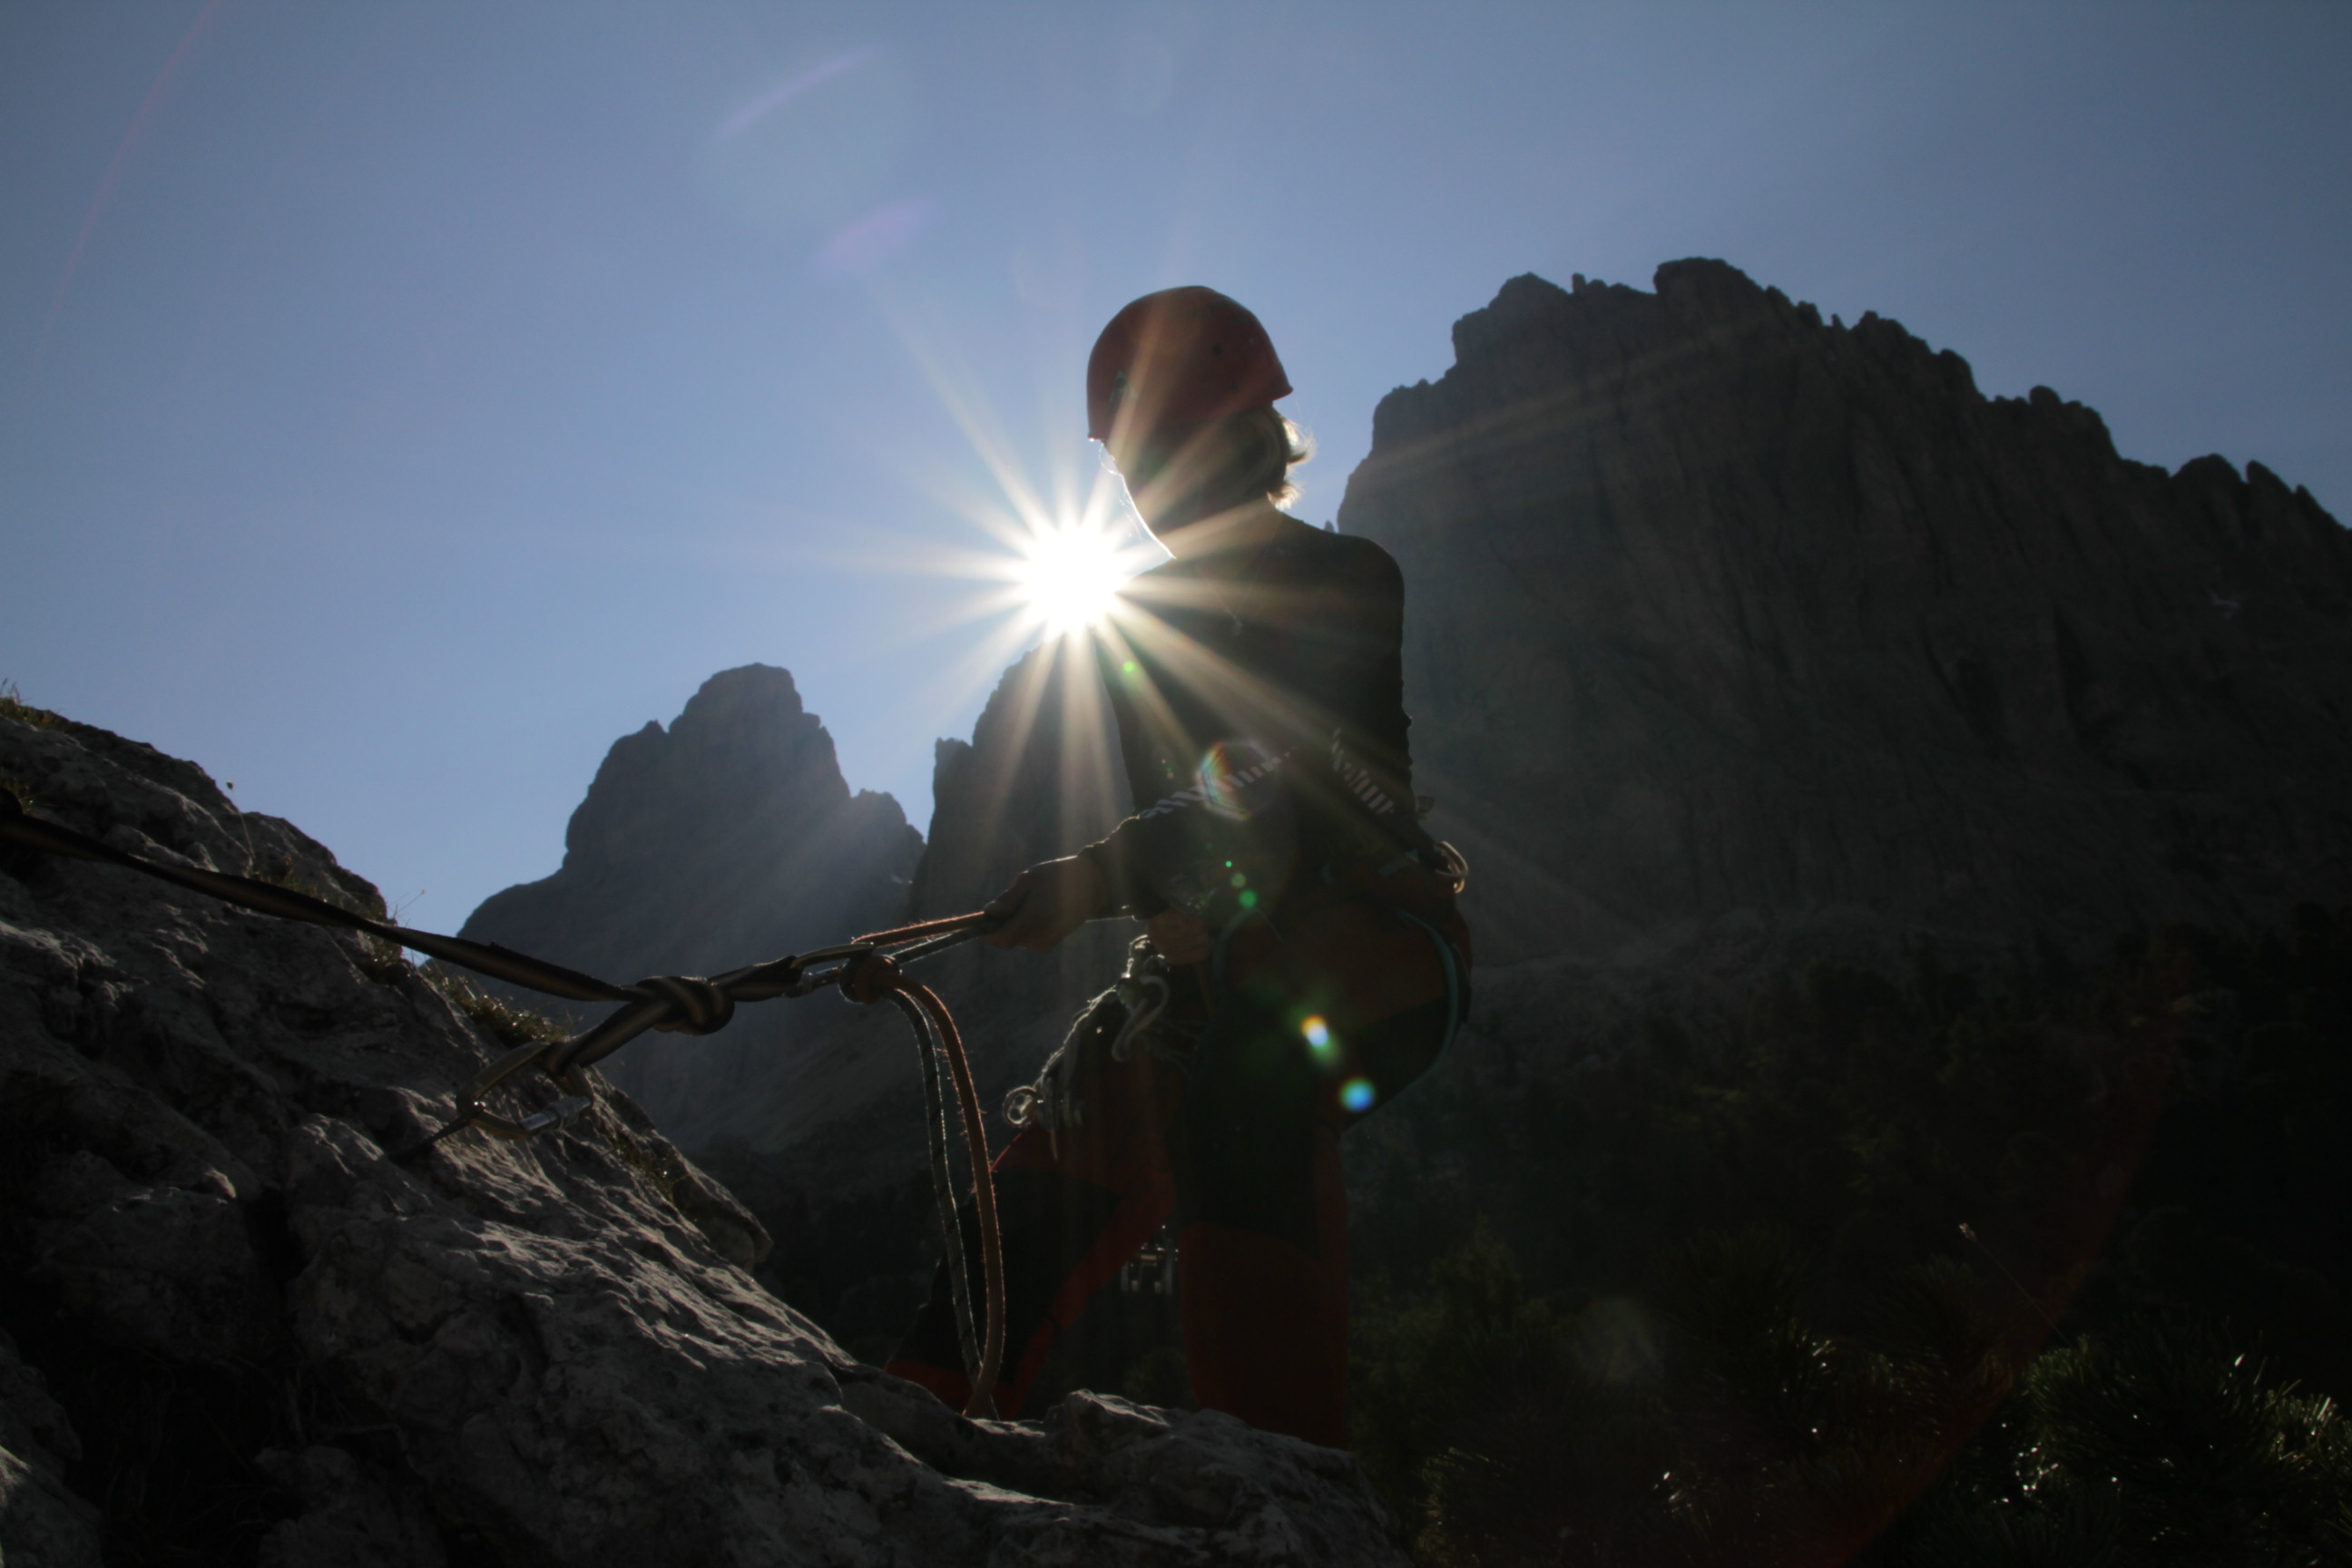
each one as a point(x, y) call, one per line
point(1312, 1018)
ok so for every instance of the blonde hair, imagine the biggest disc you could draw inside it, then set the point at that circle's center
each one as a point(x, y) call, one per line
point(1267, 446)
point(1230, 462)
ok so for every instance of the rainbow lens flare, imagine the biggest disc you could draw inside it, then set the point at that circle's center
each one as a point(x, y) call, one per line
point(1238, 778)
point(1357, 1094)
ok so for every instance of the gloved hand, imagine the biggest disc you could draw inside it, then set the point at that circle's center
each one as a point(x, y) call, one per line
point(1178, 937)
point(1046, 904)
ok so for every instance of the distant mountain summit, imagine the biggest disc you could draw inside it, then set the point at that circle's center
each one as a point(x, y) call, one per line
point(1717, 613)
point(729, 838)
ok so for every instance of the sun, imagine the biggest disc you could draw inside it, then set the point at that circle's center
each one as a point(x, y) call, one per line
point(1070, 574)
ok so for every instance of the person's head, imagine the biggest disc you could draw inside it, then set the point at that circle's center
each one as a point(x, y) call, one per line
point(1181, 391)
point(1199, 472)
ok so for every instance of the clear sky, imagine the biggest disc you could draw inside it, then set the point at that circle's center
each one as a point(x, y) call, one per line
point(398, 403)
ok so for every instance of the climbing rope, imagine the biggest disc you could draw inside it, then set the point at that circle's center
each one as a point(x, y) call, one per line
point(983, 1353)
point(867, 970)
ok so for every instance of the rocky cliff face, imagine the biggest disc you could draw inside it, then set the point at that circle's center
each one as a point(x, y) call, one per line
point(727, 840)
point(1725, 619)
point(233, 1330)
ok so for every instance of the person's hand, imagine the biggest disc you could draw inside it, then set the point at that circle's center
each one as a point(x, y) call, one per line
point(1046, 904)
point(1179, 938)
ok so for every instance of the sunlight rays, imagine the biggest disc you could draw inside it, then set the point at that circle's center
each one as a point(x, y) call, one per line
point(1036, 597)
point(1062, 544)
point(1015, 548)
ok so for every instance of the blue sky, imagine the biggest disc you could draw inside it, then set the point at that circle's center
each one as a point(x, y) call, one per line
point(398, 404)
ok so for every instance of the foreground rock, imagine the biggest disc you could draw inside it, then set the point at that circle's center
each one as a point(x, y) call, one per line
point(234, 1328)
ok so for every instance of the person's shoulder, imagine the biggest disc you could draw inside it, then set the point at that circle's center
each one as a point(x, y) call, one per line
point(1352, 558)
point(1367, 555)
point(1175, 568)
point(1157, 581)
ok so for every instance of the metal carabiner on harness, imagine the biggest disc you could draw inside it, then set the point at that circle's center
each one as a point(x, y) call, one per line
point(1054, 1100)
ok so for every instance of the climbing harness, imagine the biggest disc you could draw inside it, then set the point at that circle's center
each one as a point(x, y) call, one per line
point(1055, 1100)
point(867, 970)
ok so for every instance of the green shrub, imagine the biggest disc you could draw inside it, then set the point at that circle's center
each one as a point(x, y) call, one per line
point(2158, 1443)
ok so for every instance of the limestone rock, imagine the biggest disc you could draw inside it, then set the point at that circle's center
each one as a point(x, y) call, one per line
point(234, 1324)
point(816, 1110)
point(42, 1522)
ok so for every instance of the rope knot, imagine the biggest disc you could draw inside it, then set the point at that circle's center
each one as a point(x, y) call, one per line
point(868, 976)
point(697, 1006)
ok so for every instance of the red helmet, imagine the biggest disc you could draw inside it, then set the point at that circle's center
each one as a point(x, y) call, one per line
point(1180, 357)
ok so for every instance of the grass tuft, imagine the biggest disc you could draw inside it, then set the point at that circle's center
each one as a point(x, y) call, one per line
point(14, 706)
point(379, 959)
point(513, 1024)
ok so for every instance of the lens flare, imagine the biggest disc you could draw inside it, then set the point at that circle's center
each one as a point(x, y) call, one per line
point(768, 103)
point(1237, 780)
point(873, 239)
point(1357, 1094)
point(1318, 1038)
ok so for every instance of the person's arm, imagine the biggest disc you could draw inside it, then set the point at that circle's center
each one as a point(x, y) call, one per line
point(1116, 856)
point(1353, 770)
point(1045, 903)
point(1369, 755)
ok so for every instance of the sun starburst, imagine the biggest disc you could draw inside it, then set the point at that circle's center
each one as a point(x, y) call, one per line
point(1070, 574)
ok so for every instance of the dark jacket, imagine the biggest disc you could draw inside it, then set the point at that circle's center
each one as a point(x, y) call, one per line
point(1261, 725)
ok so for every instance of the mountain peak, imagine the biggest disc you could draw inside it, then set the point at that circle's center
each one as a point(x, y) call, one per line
point(1715, 607)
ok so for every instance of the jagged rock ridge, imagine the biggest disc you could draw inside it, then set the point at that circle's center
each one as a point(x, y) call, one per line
point(231, 1329)
point(1718, 613)
point(727, 840)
